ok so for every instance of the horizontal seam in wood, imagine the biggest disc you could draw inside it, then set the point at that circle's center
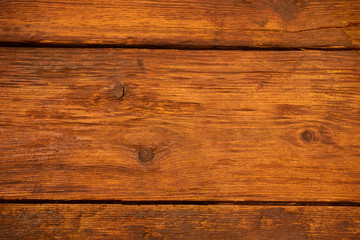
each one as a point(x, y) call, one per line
point(173, 47)
point(120, 202)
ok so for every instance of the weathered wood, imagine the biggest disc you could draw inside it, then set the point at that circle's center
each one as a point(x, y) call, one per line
point(177, 222)
point(257, 23)
point(179, 125)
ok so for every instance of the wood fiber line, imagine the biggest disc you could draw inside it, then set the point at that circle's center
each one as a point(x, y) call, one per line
point(137, 125)
point(197, 23)
point(177, 222)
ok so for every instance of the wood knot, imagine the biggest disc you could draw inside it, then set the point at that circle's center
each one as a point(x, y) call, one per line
point(146, 155)
point(288, 9)
point(307, 136)
point(311, 135)
point(118, 91)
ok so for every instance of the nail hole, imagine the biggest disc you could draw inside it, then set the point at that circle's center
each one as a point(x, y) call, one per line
point(146, 155)
point(118, 90)
point(307, 136)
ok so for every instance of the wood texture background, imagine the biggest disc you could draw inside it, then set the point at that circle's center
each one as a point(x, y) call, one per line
point(194, 144)
point(209, 125)
point(191, 23)
point(177, 222)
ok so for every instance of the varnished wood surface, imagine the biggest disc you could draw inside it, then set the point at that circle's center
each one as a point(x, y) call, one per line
point(177, 222)
point(179, 125)
point(195, 23)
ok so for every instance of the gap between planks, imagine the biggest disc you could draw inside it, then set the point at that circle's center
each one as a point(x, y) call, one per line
point(171, 47)
point(239, 203)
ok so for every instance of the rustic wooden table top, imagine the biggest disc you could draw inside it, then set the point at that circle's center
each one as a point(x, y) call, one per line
point(149, 119)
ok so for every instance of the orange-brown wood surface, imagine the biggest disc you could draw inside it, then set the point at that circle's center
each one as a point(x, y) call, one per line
point(194, 23)
point(56, 221)
point(179, 125)
point(114, 143)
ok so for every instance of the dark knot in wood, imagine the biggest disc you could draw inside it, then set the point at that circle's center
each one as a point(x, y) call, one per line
point(118, 91)
point(307, 136)
point(146, 155)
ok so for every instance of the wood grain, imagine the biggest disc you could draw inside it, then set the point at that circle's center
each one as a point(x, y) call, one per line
point(179, 125)
point(177, 222)
point(196, 23)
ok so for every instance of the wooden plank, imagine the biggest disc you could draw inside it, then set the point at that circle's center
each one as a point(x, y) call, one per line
point(190, 125)
point(177, 222)
point(255, 23)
